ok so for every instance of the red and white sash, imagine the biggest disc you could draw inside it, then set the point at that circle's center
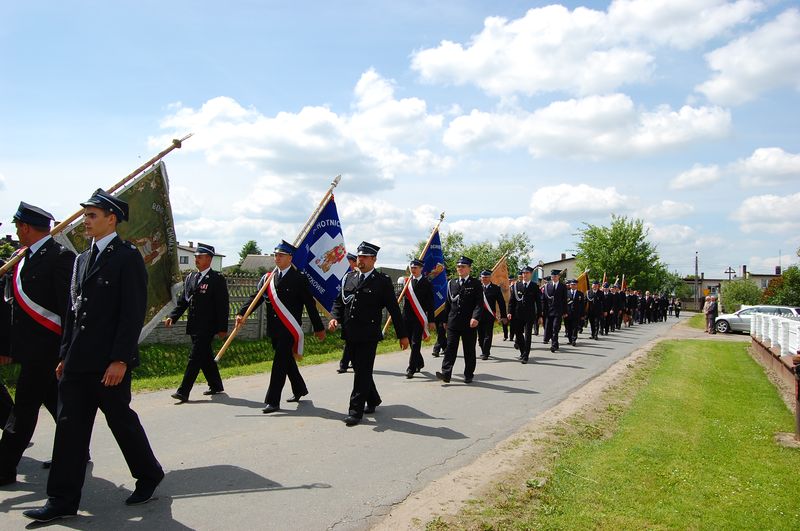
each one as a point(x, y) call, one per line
point(286, 317)
point(486, 305)
point(417, 307)
point(37, 312)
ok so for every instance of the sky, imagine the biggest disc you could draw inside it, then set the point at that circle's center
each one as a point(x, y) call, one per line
point(508, 116)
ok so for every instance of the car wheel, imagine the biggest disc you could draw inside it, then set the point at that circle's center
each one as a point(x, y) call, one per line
point(723, 327)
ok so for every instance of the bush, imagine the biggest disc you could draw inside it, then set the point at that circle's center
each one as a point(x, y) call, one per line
point(738, 292)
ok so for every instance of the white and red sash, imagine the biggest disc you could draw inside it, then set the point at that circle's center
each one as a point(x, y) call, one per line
point(37, 312)
point(487, 306)
point(286, 317)
point(417, 307)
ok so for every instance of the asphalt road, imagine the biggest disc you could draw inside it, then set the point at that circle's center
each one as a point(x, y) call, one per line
point(231, 467)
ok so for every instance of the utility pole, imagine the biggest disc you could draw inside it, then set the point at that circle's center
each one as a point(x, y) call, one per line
point(730, 272)
point(696, 280)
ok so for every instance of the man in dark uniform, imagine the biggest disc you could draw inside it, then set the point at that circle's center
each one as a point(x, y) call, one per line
point(6, 402)
point(344, 363)
point(293, 293)
point(99, 349)
point(39, 306)
point(205, 294)
point(492, 299)
point(595, 298)
point(359, 308)
point(608, 309)
point(619, 305)
point(463, 308)
point(417, 315)
point(523, 306)
point(556, 294)
point(506, 323)
point(631, 302)
point(576, 301)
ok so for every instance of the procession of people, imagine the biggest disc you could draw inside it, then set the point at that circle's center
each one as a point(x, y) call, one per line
point(73, 325)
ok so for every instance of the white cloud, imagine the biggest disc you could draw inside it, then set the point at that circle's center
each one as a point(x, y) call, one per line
point(581, 199)
point(666, 209)
point(383, 137)
point(769, 214)
point(697, 177)
point(2, 182)
point(766, 264)
point(769, 166)
point(596, 126)
point(583, 51)
point(671, 235)
point(762, 60)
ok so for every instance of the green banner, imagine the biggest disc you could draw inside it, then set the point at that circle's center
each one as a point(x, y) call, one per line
point(151, 229)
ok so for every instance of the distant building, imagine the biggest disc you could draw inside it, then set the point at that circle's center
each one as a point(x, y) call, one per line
point(570, 264)
point(186, 258)
point(254, 262)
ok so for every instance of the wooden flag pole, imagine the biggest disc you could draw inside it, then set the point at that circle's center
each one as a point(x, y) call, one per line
point(302, 234)
point(421, 256)
point(498, 262)
point(176, 144)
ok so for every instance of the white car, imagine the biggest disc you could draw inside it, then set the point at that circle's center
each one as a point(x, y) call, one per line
point(740, 321)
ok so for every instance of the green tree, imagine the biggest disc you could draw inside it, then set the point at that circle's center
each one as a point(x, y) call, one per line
point(5, 250)
point(674, 283)
point(484, 254)
point(738, 292)
point(251, 247)
point(621, 248)
point(785, 290)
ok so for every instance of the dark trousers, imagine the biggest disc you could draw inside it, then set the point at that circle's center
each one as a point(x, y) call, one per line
point(201, 358)
point(284, 365)
point(524, 338)
point(619, 319)
point(607, 323)
point(467, 337)
point(345, 362)
point(552, 326)
point(512, 331)
point(441, 338)
point(571, 326)
point(6, 403)
point(485, 335)
point(364, 390)
point(415, 361)
point(37, 385)
point(80, 396)
point(594, 324)
point(505, 330)
point(536, 325)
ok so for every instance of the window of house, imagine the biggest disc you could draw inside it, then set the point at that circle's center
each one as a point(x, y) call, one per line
point(184, 259)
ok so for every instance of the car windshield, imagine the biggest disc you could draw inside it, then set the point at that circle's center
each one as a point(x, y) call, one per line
point(747, 311)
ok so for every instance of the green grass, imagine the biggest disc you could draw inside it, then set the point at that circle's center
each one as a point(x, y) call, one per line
point(162, 366)
point(697, 321)
point(686, 443)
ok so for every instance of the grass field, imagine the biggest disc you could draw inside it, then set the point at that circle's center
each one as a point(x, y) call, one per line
point(685, 443)
point(697, 321)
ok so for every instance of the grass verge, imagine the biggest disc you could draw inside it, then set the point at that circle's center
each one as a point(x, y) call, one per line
point(685, 442)
point(698, 321)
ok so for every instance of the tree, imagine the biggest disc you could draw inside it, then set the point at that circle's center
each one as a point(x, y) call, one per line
point(674, 283)
point(738, 292)
point(6, 249)
point(484, 254)
point(251, 247)
point(621, 248)
point(785, 290)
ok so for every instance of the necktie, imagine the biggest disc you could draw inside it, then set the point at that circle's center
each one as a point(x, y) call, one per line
point(93, 254)
point(461, 282)
point(360, 278)
point(526, 285)
point(280, 275)
point(414, 282)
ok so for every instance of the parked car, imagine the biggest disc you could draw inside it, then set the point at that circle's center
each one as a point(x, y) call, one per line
point(740, 321)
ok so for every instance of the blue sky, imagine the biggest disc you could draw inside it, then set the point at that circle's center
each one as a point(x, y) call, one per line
point(509, 116)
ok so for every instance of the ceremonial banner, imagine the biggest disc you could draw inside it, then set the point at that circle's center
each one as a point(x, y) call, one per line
point(583, 282)
point(435, 271)
point(322, 257)
point(500, 277)
point(624, 285)
point(152, 230)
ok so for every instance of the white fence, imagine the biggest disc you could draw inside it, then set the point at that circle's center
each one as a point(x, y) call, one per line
point(777, 332)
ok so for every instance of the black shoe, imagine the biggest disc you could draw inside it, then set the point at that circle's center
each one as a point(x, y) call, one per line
point(270, 409)
point(419, 369)
point(485, 357)
point(210, 392)
point(143, 493)
point(435, 354)
point(48, 513)
point(350, 420)
point(179, 397)
point(443, 377)
point(341, 370)
point(296, 398)
point(524, 361)
point(8, 480)
point(369, 410)
point(553, 348)
point(467, 379)
point(410, 373)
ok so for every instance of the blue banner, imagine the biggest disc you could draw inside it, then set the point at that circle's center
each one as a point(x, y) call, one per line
point(435, 271)
point(322, 257)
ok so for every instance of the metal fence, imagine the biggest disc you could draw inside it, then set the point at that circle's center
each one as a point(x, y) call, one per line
point(781, 333)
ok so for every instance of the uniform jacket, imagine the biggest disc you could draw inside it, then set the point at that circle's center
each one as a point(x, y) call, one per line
point(494, 296)
point(423, 289)
point(619, 301)
point(45, 278)
point(575, 304)
point(359, 307)
point(109, 300)
point(556, 295)
point(595, 299)
point(608, 301)
point(207, 304)
point(5, 325)
point(294, 293)
point(527, 309)
point(463, 302)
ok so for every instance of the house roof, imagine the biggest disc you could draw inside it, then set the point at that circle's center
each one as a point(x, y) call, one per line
point(252, 262)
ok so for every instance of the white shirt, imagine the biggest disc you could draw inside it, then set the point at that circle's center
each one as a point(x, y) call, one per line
point(38, 245)
point(103, 242)
point(203, 273)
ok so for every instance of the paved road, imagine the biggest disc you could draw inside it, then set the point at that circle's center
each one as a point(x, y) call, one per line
point(231, 467)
